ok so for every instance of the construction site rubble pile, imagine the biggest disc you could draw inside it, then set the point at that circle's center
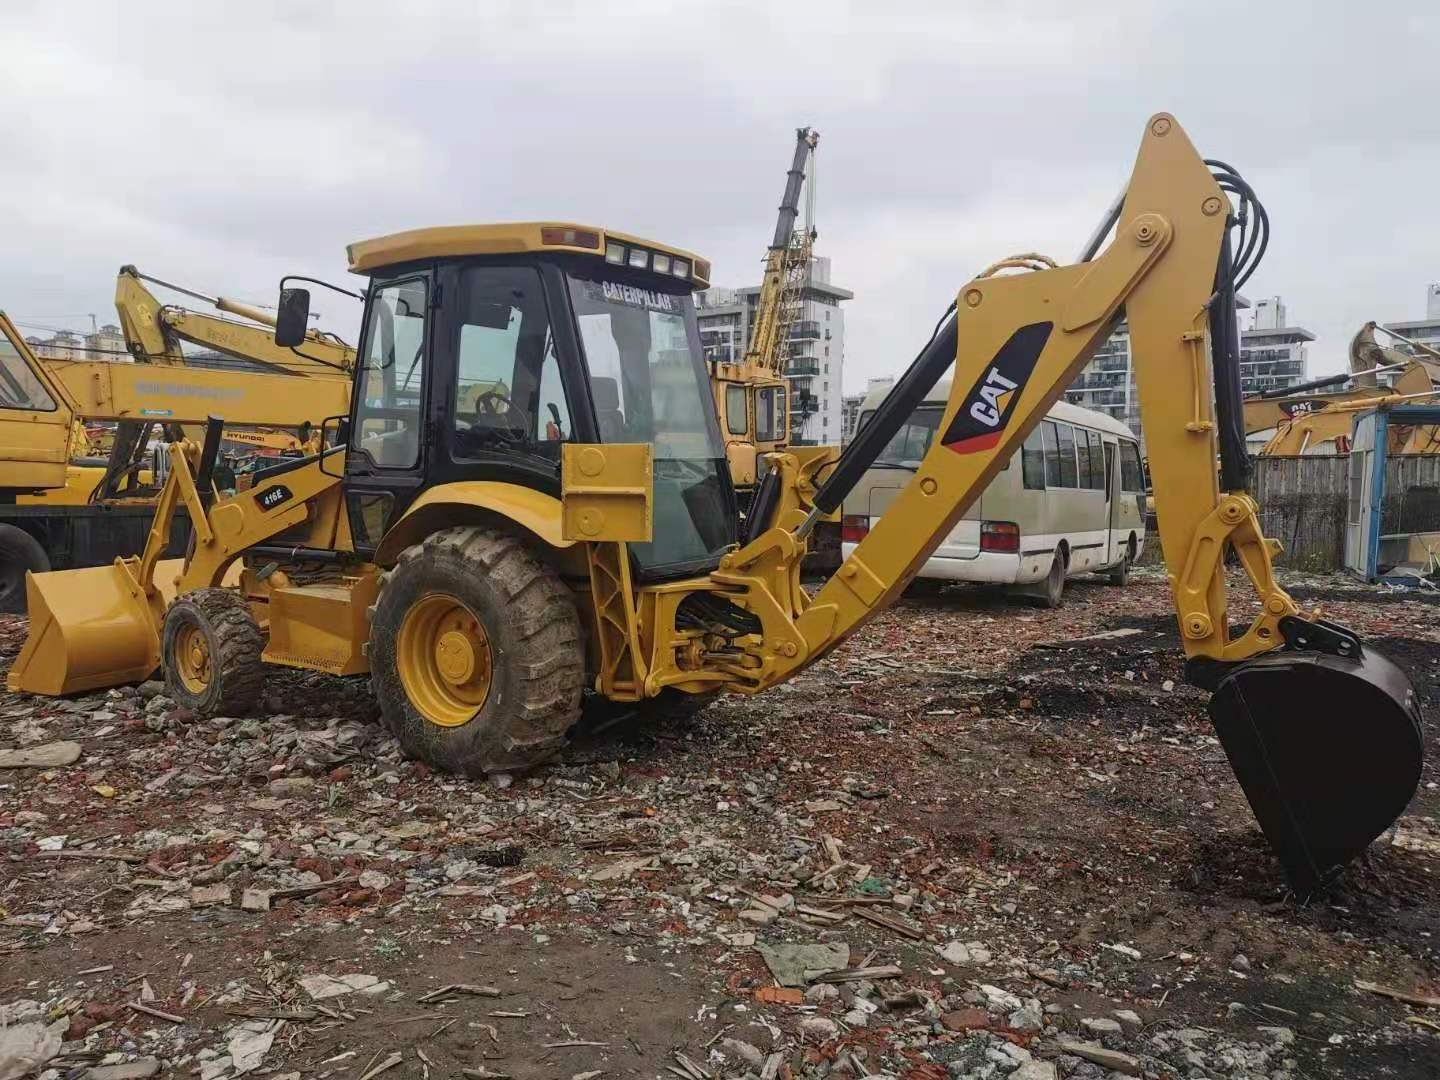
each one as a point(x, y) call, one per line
point(980, 841)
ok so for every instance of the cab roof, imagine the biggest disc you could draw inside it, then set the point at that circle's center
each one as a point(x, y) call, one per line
point(509, 238)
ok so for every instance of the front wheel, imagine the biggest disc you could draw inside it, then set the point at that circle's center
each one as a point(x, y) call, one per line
point(476, 656)
point(20, 553)
point(210, 650)
point(1120, 574)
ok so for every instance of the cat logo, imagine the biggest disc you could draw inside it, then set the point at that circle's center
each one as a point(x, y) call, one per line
point(980, 424)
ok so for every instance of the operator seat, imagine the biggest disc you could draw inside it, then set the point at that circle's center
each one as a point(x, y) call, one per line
point(606, 393)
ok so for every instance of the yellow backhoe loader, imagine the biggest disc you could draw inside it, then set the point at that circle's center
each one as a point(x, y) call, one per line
point(577, 530)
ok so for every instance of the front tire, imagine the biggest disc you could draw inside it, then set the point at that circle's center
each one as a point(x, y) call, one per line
point(20, 553)
point(210, 650)
point(476, 656)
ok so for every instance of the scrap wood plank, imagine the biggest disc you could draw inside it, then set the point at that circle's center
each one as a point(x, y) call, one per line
point(1410, 997)
point(889, 923)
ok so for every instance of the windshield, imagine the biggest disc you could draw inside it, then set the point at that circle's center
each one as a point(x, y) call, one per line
point(648, 383)
point(908, 446)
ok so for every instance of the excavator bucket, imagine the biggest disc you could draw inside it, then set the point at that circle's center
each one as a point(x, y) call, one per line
point(89, 628)
point(1328, 750)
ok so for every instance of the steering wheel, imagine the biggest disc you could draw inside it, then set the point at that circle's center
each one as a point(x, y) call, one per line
point(494, 404)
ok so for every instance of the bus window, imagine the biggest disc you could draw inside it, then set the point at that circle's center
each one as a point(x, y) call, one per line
point(1131, 477)
point(1097, 461)
point(1052, 455)
point(908, 445)
point(1032, 460)
point(1065, 441)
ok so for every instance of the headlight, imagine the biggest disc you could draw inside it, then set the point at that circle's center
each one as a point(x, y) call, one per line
point(639, 258)
point(661, 263)
point(615, 253)
point(680, 268)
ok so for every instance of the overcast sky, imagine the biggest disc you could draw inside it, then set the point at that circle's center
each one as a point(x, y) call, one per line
point(223, 145)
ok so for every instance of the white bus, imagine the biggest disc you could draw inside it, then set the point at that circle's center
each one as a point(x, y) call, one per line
point(1071, 502)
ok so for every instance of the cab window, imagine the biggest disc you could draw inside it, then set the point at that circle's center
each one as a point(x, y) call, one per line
point(388, 415)
point(508, 392)
point(20, 388)
point(769, 414)
point(736, 421)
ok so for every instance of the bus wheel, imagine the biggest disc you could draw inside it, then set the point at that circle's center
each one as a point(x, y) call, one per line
point(1120, 574)
point(1052, 589)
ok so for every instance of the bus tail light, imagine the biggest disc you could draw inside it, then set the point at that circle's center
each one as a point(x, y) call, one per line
point(1000, 536)
point(854, 528)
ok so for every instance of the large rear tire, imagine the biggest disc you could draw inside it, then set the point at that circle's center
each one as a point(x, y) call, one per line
point(476, 656)
point(1120, 573)
point(1051, 591)
point(19, 553)
point(210, 651)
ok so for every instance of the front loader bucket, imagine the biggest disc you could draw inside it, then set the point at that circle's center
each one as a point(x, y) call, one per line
point(1328, 750)
point(89, 628)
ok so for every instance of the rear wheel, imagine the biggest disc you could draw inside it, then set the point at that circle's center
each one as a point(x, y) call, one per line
point(476, 656)
point(1051, 590)
point(210, 650)
point(19, 553)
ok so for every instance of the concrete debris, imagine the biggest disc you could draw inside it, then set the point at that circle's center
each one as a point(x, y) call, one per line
point(27, 1047)
point(324, 987)
point(800, 965)
point(46, 756)
point(977, 841)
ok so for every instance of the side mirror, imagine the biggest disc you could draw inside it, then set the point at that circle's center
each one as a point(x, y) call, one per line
point(334, 447)
point(292, 317)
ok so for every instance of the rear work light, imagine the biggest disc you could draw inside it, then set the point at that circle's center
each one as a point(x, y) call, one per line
point(639, 258)
point(661, 264)
point(615, 253)
point(680, 268)
point(1000, 536)
point(582, 238)
point(854, 528)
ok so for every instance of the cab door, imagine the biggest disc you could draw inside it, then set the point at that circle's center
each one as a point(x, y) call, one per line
point(389, 421)
point(35, 420)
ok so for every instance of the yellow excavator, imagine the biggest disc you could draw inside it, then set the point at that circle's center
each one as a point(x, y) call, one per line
point(1309, 423)
point(751, 394)
point(577, 530)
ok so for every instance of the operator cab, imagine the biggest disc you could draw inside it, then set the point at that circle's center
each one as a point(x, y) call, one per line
point(485, 348)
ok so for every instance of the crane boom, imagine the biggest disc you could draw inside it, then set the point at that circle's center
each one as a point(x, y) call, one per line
point(787, 263)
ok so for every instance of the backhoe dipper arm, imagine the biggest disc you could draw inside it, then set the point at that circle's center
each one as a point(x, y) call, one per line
point(1017, 342)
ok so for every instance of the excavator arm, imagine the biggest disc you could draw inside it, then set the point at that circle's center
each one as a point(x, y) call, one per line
point(154, 332)
point(1290, 689)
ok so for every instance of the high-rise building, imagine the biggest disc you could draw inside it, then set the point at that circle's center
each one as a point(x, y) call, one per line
point(1272, 355)
point(816, 362)
point(106, 343)
point(1426, 331)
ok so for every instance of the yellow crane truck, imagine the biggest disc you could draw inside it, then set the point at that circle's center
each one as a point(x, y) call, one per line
point(752, 396)
point(577, 529)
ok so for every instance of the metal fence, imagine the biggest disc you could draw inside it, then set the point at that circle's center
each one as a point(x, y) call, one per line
point(1303, 503)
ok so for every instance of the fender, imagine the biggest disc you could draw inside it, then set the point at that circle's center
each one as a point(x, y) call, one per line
point(462, 502)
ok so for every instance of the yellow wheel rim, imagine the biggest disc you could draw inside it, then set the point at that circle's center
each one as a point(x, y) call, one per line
point(445, 662)
point(192, 659)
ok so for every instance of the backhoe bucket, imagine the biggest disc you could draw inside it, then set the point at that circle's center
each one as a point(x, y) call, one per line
point(89, 628)
point(1328, 750)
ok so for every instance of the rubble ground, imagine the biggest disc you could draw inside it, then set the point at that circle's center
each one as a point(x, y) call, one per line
point(980, 840)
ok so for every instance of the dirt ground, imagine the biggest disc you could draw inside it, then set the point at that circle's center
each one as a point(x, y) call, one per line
point(1034, 824)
